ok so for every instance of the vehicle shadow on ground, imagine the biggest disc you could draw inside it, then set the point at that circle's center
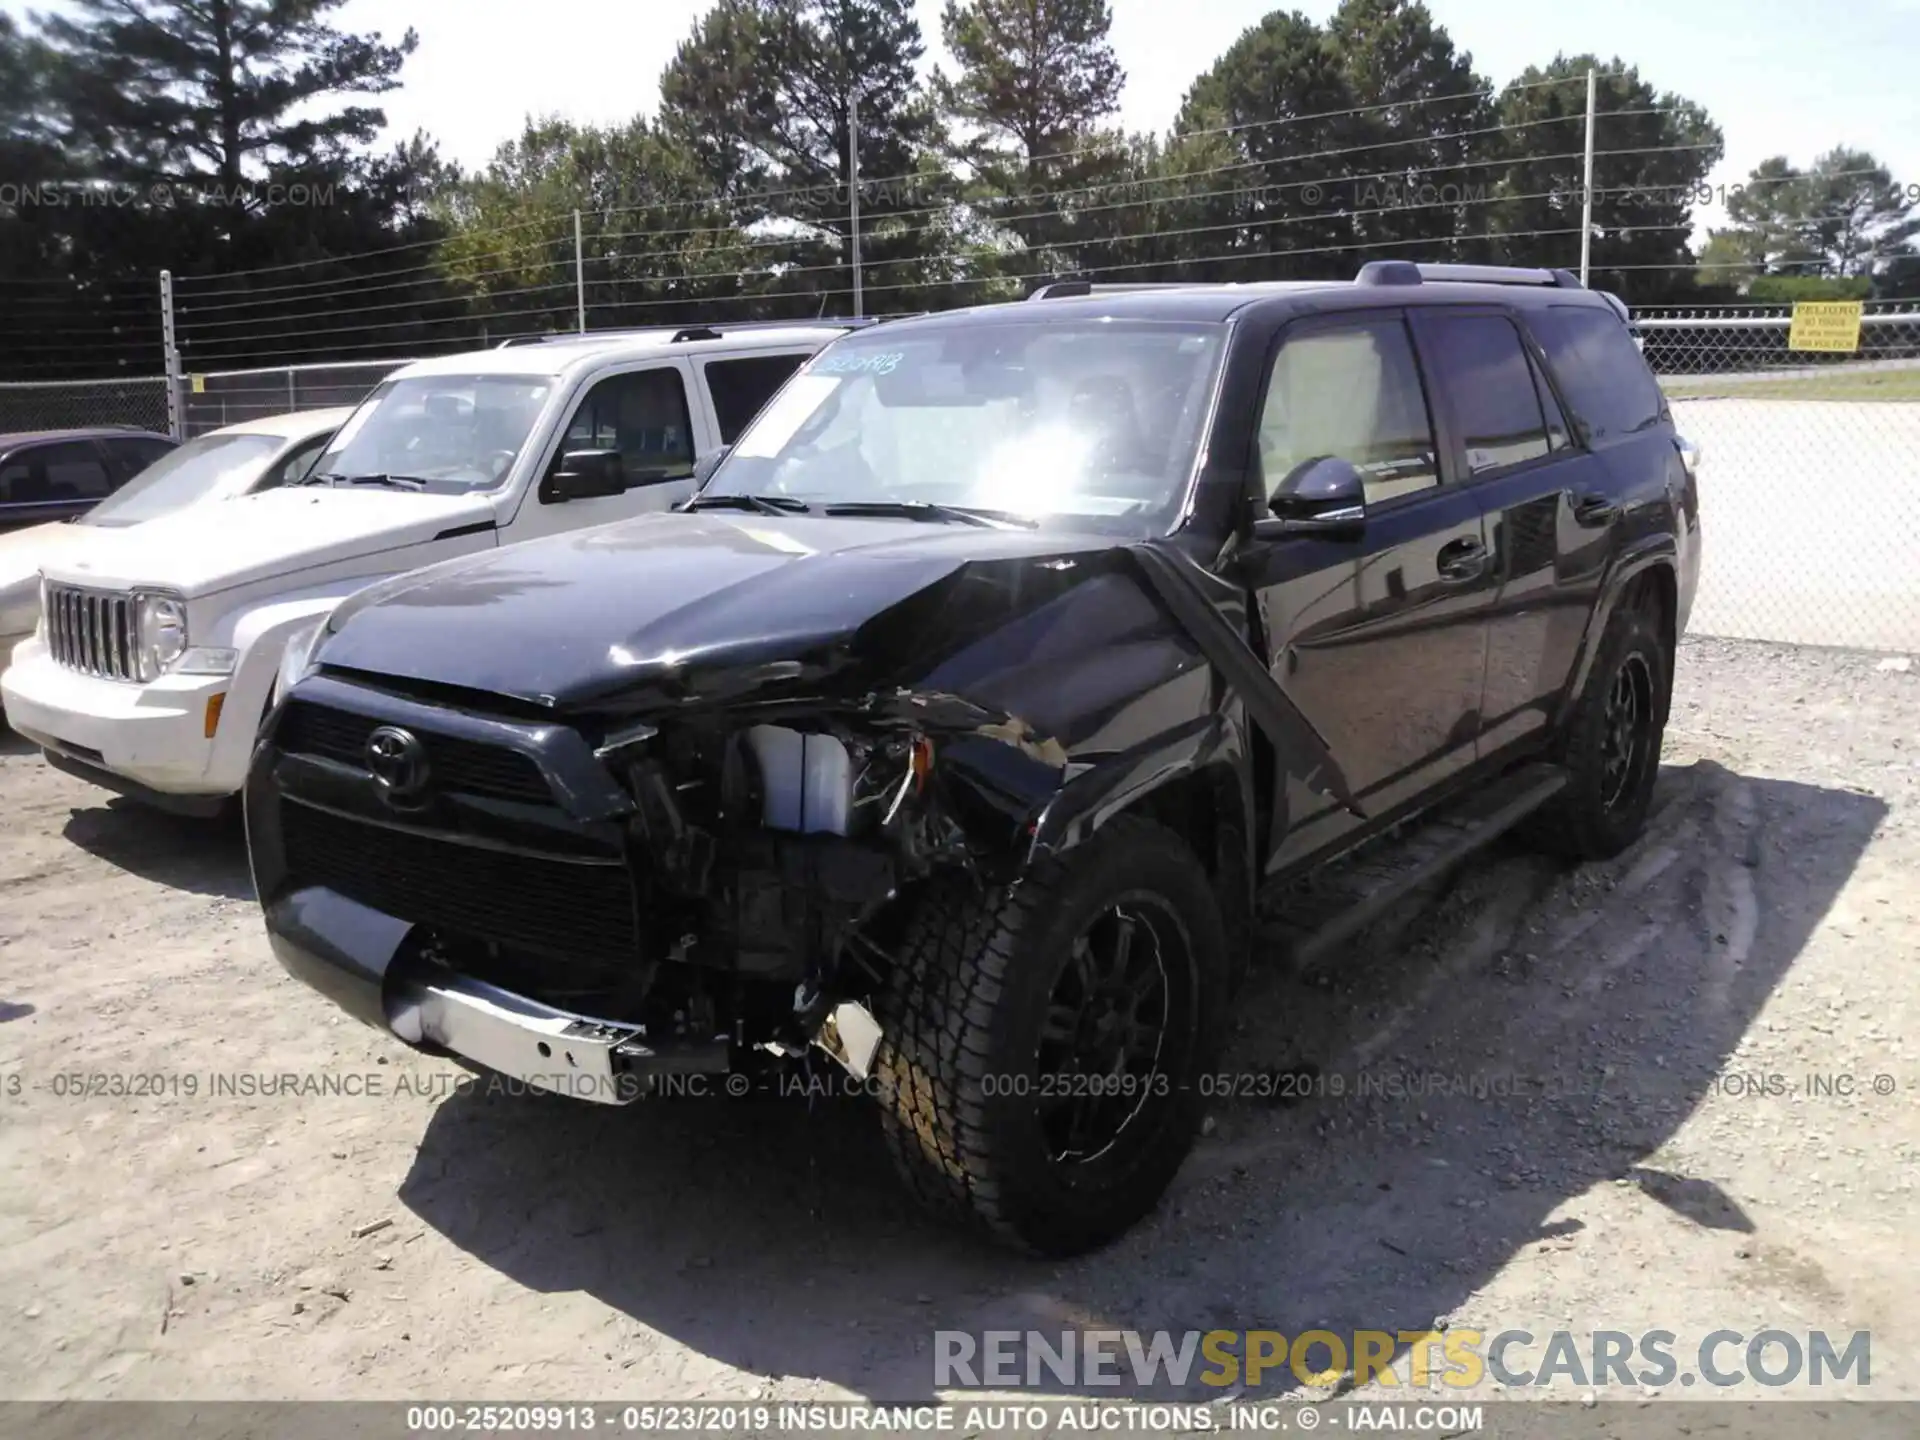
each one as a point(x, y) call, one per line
point(207, 857)
point(14, 743)
point(1573, 1020)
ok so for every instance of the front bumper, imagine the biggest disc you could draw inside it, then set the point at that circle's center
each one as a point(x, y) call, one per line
point(367, 963)
point(152, 736)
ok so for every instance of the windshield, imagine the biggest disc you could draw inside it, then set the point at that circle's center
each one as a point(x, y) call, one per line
point(209, 466)
point(1093, 418)
point(438, 432)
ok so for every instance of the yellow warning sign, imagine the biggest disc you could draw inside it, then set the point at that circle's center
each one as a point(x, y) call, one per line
point(199, 384)
point(1825, 325)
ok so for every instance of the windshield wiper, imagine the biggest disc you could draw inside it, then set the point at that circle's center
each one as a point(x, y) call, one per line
point(759, 504)
point(928, 510)
point(397, 482)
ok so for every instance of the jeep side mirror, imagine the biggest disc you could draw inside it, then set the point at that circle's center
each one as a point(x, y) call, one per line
point(1324, 496)
point(584, 475)
point(704, 467)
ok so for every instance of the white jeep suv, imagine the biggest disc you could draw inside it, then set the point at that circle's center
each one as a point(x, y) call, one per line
point(158, 647)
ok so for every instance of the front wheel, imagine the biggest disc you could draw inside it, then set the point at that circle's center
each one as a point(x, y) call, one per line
point(1040, 1072)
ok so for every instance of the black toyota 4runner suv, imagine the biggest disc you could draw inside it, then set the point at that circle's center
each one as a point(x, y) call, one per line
point(956, 725)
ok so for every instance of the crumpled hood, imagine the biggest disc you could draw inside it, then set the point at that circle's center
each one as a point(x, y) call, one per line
point(204, 549)
point(676, 607)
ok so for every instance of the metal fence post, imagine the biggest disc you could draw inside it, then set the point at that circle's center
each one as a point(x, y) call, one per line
point(170, 357)
point(1586, 188)
point(580, 272)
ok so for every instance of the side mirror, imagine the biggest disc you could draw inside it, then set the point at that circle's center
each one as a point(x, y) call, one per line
point(1325, 496)
point(585, 475)
point(704, 467)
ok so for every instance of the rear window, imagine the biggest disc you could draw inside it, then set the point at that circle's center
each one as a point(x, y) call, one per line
point(1600, 369)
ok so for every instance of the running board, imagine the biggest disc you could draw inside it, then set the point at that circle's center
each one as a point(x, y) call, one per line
point(1335, 905)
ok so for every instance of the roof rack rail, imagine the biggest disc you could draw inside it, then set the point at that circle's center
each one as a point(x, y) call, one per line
point(680, 333)
point(1067, 289)
point(1406, 272)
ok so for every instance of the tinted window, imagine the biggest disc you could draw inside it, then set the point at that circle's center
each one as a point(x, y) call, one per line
point(1557, 436)
point(1351, 390)
point(74, 471)
point(1599, 368)
point(17, 485)
point(136, 452)
point(741, 387)
point(643, 415)
point(1479, 359)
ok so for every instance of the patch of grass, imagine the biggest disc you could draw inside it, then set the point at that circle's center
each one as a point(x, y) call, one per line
point(1834, 385)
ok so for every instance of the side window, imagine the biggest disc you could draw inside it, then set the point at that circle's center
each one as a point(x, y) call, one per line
point(134, 454)
point(741, 388)
point(74, 471)
point(643, 415)
point(1557, 436)
point(295, 465)
point(1600, 369)
point(1351, 390)
point(18, 483)
point(1479, 360)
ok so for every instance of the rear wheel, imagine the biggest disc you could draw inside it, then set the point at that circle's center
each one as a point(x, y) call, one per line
point(1612, 746)
point(1043, 1046)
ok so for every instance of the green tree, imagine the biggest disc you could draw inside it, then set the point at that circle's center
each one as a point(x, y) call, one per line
point(763, 94)
point(1416, 143)
point(1653, 150)
point(1035, 78)
point(1844, 216)
point(223, 91)
point(1280, 103)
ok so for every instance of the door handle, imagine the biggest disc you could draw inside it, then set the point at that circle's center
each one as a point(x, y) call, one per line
point(1595, 510)
point(1461, 560)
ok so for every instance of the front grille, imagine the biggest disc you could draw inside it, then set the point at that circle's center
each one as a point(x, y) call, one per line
point(567, 909)
point(466, 766)
point(92, 632)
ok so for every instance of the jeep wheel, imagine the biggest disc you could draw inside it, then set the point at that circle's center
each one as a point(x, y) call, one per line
point(1039, 1072)
point(1612, 746)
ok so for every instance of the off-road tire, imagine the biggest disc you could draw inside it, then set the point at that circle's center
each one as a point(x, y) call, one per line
point(1583, 822)
point(961, 1018)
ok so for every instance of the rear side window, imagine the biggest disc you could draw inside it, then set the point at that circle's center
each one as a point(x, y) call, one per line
point(1599, 368)
point(136, 453)
point(1478, 359)
point(741, 388)
point(74, 471)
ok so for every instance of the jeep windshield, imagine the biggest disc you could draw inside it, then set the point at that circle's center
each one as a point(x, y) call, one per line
point(1090, 420)
point(444, 433)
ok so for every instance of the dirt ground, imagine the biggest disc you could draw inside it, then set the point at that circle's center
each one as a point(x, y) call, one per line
point(1650, 1132)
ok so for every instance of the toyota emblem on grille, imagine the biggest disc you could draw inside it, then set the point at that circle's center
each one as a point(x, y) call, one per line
point(399, 763)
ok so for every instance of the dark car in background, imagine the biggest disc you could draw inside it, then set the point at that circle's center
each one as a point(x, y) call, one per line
point(1004, 658)
point(58, 474)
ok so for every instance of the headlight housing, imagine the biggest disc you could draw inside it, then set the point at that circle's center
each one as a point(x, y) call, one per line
point(160, 633)
point(162, 644)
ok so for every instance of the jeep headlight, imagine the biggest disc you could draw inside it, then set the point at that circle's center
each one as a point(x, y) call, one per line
point(160, 632)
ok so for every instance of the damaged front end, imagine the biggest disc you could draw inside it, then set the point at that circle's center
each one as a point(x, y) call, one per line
point(709, 892)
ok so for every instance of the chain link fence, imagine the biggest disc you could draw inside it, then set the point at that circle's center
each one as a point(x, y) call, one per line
point(231, 396)
point(140, 402)
point(1810, 473)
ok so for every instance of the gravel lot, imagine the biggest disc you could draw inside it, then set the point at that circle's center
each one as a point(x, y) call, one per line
point(1636, 1173)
